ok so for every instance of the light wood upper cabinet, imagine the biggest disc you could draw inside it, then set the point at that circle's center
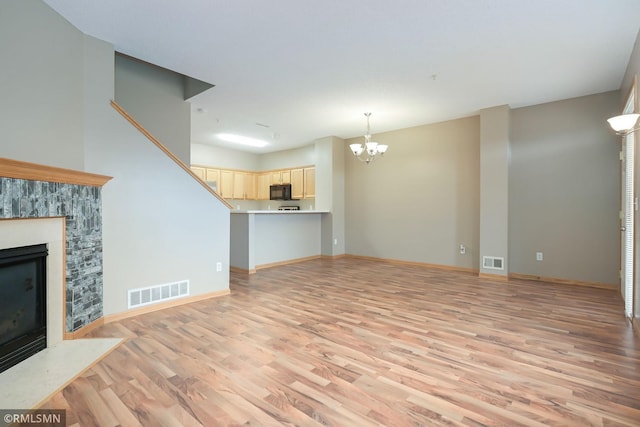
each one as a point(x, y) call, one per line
point(200, 172)
point(238, 185)
point(263, 183)
point(209, 175)
point(286, 177)
point(212, 177)
point(309, 183)
point(246, 185)
point(250, 186)
point(276, 177)
point(225, 186)
point(281, 177)
point(303, 183)
point(297, 183)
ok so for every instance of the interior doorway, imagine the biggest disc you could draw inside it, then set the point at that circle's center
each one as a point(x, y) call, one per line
point(629, 205)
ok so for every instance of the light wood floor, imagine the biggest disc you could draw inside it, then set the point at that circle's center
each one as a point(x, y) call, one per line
point(355, 343)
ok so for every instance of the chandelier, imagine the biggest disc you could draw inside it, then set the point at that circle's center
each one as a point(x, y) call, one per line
point(368, 150)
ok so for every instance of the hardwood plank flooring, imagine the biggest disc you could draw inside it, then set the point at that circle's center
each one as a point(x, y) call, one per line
point(357, 343)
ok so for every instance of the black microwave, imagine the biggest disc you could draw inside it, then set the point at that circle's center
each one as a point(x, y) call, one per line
point(280, 192)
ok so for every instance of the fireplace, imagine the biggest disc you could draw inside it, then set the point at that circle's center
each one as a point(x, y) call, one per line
point(23, 302)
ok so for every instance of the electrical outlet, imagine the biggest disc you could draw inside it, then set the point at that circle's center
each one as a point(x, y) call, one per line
point(218, 266)
point(539, 256)
point(335, 242)
point(463, 249)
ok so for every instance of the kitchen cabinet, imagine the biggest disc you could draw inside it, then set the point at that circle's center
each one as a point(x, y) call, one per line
point(250, 187)
point(209, 175)
point(212, 177)
point(244, 185)
point(247, 185)
point(238, 185)
point(281, 177)
point(263, 183)
point(310, 183)
point(303, 183)
point(276, 177)
point(297, 183)
point(225, 187)
point(199, 172)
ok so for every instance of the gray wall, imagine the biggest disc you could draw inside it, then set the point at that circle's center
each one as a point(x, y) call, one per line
point(154, 96)
point(243, 242)
point(159, 225)
point(207, 155)
point(303, 156)
point(222, 157)
point(330, 187)
point(563, 190)
point(632, 72)
point(419, 202)
point(38, 113)
point(494, 186)
point(283, 237)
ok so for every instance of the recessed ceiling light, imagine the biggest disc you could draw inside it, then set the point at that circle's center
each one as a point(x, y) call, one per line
point(243, 140)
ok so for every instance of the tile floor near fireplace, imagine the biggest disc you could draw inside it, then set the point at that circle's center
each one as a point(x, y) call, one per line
point(29, 383)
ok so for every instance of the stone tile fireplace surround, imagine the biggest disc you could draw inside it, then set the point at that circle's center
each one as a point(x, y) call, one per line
point(30, 191)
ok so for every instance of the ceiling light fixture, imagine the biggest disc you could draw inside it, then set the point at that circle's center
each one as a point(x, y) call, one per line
point(368, 150)
point(624, 124)
point(243, 140)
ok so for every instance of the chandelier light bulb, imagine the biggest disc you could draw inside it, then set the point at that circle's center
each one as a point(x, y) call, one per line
point(357, 149)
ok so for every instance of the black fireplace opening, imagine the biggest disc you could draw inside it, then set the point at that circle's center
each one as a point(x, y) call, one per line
point(23, 316)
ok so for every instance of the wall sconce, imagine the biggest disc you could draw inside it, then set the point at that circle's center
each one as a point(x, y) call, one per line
point(623, 124)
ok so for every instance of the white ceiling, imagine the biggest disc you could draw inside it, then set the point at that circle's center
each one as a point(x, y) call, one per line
point(310, 69)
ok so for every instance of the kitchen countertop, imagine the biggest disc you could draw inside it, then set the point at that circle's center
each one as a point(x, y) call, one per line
point(275, 211)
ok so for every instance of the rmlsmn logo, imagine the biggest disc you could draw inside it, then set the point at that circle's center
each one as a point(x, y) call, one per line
point(35, 418)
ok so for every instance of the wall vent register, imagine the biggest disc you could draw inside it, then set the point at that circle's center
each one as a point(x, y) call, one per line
point(154, 294)
point(493, 263)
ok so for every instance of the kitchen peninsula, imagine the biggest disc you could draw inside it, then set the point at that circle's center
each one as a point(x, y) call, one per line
point(265, 238)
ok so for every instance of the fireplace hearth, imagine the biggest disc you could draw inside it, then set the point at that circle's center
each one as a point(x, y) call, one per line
point(23, 319)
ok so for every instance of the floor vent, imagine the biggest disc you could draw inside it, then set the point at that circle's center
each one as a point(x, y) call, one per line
point(493, 262)
point(153, 294)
